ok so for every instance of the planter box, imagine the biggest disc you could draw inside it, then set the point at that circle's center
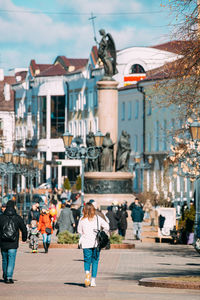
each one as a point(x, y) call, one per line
point(75, 246)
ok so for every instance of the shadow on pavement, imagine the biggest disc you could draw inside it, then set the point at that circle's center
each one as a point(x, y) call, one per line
point(165, 273)
point(173, 250)
point(78, 259)
point(75, 284)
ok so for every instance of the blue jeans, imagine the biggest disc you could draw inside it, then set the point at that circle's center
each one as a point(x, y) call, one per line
point(46, 238)
point(8, 262)
point(137, 229)
point(91, 257)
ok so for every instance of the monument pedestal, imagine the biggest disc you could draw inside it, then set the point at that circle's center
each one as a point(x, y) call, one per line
point(108, 108)
point(106, 187)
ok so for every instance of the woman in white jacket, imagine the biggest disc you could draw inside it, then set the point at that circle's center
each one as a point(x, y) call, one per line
point(87, 228)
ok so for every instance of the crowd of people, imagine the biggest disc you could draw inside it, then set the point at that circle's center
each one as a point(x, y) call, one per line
point(66, 215)
point(59, 215)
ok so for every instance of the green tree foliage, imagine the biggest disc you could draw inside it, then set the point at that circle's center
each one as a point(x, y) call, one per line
point(116, 239)
point(187, 220)
point(68, 238)
point(78, 183)
point(67, 185)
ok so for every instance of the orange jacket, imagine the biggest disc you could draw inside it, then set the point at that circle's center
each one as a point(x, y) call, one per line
point(44, 222)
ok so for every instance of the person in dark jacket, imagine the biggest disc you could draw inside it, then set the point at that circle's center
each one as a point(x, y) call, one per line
point(9, 247)
point(122, 223)
point(113, 220)
point(66, 220)
point(34, 213)
point(137, 216)
point(76, 214)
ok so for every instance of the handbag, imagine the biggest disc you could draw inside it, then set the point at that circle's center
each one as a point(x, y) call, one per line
point(101, 237)
point(48, 230)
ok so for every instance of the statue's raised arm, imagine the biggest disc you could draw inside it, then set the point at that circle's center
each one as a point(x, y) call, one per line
point(107, 54)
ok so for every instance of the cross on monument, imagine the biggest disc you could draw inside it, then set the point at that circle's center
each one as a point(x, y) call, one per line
point(93, 25)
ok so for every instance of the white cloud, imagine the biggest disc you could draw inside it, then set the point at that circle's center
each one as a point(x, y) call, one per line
point(25, 36)
point(103, 6)
point(36, 29)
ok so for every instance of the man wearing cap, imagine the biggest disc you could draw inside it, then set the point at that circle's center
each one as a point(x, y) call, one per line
point(10, 219)
point(2, 208)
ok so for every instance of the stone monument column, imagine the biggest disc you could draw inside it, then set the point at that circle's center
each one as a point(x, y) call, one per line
point(108, 109)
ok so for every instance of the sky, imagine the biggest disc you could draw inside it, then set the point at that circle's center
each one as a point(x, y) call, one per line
point(44, 29)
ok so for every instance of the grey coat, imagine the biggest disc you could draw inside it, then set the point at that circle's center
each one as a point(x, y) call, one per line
point(66, 220)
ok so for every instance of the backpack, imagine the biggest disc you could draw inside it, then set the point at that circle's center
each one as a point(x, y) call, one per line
point(9, 231)
point(101, 237)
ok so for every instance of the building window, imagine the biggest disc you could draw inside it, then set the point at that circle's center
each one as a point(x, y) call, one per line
point(95, 99)
point(172, 131)
point(149, 142)
point(75, 102)
point(123, 111)
point(136, 109)
point(43, 117)
point(86, 127)
point(86, 100)
point(135, 143)
point(57, 116)
point(90, 99)
point(70, 127)
point(75, 129)
point(149, 108)
point(157, 136)
point(71, 102)
point(164, 135)
point(136, 68)
point(129, 110)
point(1, 128)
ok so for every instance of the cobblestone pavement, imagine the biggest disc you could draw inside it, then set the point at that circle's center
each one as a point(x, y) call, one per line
point(59, 274)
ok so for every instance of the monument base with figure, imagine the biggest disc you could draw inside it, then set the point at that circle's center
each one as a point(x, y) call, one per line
point(106, 187)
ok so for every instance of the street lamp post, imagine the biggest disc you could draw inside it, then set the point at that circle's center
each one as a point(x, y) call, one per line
point(82, 153)
point(195, 134)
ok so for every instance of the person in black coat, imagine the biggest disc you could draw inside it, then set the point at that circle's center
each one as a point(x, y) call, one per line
point(113, 220)
point(9, 243)
point(76, 214)
point(122, 223)
point(34, 213)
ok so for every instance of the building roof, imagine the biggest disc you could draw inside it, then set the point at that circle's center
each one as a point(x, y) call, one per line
point(176, 47)
point(53, 70)
point(21, 75)
point(71, 64)
point(36, 69)
point(128, 87)
point(7, 105)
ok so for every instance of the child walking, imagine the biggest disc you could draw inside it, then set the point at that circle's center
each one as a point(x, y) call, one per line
point(33, 236)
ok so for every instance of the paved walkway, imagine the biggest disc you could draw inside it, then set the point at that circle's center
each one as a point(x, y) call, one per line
point(59, 274)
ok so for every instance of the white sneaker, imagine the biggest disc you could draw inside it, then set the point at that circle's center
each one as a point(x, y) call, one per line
point(93, 283)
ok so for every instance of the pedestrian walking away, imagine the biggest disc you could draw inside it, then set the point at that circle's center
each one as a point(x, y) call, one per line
point(66, 220)
point(137, 216)
point(10, 224)
point(45, 227)
point(113, 220)
point(122, 220)
point(87, 228)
